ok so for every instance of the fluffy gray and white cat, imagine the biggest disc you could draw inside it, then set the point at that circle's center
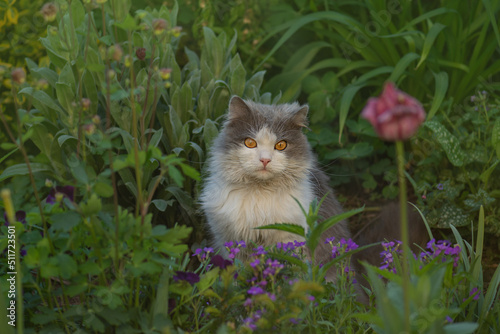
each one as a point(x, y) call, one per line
point(259, 164)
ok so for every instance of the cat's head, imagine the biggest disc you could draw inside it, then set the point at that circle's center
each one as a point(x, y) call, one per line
point(263, 143)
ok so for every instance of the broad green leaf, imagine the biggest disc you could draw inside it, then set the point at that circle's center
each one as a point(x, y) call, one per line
point(40, 99)
point(65, 221)
point(440, 89)
point(77, 13)
point(461, 328)
point(22, 169)
point(208, 280)
point(128, 23)
point(448, 142)
point(210, 132)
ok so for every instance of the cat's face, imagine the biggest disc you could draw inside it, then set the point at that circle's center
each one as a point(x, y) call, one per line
point(263, 143)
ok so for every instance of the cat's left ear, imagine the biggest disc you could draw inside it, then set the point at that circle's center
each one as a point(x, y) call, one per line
point(238, 108)
point(300, 117)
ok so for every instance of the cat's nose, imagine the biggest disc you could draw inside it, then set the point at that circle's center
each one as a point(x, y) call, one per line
point(265, 161)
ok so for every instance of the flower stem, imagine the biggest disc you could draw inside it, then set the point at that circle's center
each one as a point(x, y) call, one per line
point(404, 232)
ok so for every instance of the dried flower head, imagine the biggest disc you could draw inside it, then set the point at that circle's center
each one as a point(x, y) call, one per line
point(49, 11)
point(141, 53)
point(159, 26)
point(18, 75)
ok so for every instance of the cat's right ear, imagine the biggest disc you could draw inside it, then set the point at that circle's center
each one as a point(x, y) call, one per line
point(238, 108)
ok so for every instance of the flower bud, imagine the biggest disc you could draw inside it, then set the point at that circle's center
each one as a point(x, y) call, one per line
point(96, 119)
point(85, 103)
point(141, 53)
point(18, 75)
point(49, 11)
point(128, 61)
point(159, 26)
point(168, 84)
point(111, 74)
point(42, 84)
point(49, 183)
point(176, 31)
point(165, 73)
point(8, 206)
point(53, 31)
point(115, 52)
point(395, 115)
point(89, 129)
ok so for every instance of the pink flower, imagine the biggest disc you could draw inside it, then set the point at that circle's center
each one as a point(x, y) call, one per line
point(395, 115)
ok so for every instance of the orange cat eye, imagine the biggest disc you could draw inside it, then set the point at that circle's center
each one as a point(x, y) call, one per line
point(280, 146)
point(250, 143)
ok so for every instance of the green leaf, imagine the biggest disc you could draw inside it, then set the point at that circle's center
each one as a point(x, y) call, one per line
point(287, 227)
point(208, 280)
point(128, 23)
point(210, 132)
point(162, 292)
point(22, 169)
point(65, 221)
point(461, 328)
point(190, 172)
point(495, 137)
point(67, 264)
point(103, 189)
point(345, 105)
point(92, 206)
point(429, 41)
point(448, 142)
point(440, 89)
point(485, 176)
point(176, 175)
point(40, 99)
point(402, 65)
point(315, 234)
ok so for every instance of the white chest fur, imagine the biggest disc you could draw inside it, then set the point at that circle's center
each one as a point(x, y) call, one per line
point(233, 212)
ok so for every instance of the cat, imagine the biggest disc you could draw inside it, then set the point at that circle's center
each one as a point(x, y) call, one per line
point(259, 166)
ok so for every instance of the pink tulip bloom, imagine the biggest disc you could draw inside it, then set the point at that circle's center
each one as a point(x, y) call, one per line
point(395, 115)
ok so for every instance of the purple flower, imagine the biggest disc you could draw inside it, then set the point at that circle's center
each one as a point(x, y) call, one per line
point(255, 290)
point(272, 296)
point(66, 191)
point(220, 262)
point(255, 263)
point(241, 244)
point(20, 217)
point(249, 322)
point(329, 240)
point(191, 278)
point(233, 252)
point(343, 246)
point(228, 244)
point(295, 321)
point(248, 302)
point(198, 251)
point(474, 292)
point(449, 319)
point(440, 186)
point(259, 251)
point(395, 115)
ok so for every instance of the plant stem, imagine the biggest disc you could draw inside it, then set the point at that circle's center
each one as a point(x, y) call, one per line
point(404, 232)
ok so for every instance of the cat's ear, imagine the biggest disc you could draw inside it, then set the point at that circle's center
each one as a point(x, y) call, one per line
point(238, 108)
point(300, 117)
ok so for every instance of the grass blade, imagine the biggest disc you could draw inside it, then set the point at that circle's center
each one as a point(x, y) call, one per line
point(441, 87)
point(429, 41)
point(479, 246)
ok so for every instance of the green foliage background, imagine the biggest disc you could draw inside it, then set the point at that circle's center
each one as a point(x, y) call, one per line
point(122, 105)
